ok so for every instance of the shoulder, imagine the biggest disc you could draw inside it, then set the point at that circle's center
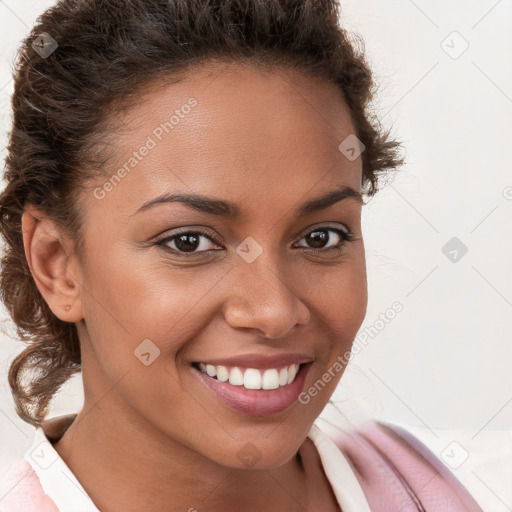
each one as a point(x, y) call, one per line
point(394, 465)
point(480, 459)
point(21, 491)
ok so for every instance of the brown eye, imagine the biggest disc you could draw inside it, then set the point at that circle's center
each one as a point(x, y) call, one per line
point(188, 242)
point(319, 238)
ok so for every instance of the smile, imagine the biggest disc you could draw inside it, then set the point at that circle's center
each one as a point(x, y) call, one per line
point(252, 378)
point(268, 390)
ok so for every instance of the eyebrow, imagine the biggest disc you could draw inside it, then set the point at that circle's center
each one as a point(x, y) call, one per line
point(229, 209)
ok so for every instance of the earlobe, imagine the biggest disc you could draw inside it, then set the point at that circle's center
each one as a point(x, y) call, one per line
point(51, 263)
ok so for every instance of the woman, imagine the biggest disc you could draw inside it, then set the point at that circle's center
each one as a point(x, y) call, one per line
point(182, 219)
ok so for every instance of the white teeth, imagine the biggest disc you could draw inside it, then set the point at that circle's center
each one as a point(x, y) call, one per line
point(252, 378)
point(270, 379)
point(283, 377)
point(222, 373)
point(236, 377)
point(293, 371)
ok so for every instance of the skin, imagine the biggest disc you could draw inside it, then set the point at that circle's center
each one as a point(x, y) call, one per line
point(268, 141)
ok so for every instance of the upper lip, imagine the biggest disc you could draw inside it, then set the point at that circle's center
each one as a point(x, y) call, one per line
point(259, 361)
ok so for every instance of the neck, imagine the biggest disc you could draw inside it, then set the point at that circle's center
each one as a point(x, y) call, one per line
point(125, 464)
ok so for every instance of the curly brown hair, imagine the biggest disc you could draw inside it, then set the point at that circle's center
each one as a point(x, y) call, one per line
point(63, 102)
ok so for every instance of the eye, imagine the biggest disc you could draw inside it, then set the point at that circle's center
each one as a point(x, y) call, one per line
point(319, 237)
point(186, 243)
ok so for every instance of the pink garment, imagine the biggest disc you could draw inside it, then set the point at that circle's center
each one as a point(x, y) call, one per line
point(398, 472)
point(21, 491)
point(395, 470)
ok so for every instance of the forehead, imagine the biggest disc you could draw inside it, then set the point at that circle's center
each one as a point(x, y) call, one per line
point(233, 130)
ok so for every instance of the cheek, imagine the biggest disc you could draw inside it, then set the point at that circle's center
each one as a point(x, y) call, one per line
point(137, 322)
point(341, 311)
point(134, 300)
point(341, 298)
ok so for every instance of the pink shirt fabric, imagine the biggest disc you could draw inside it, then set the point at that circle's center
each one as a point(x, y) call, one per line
point(398, 472)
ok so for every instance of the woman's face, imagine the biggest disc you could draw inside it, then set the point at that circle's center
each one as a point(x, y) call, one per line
point(259, 284)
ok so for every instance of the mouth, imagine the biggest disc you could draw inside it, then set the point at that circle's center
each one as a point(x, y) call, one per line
point(251, 378)
point(255, 391)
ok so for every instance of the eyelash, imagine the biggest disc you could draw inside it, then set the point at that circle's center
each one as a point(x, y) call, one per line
point(346, 236)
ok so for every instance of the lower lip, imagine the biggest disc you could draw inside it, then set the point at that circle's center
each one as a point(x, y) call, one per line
point(257, 402)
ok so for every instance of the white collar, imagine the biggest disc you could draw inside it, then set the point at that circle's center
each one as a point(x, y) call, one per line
point(340, 474)
point(61, 485)
point(56, 478)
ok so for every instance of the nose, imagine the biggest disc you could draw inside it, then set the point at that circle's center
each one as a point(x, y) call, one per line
point(262, 298)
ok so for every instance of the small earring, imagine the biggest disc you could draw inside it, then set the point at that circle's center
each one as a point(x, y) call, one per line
point(67, 308)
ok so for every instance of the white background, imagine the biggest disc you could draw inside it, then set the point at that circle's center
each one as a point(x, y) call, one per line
point(444, 361)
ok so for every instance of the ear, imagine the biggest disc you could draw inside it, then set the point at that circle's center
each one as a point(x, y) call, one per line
point(53, 264)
